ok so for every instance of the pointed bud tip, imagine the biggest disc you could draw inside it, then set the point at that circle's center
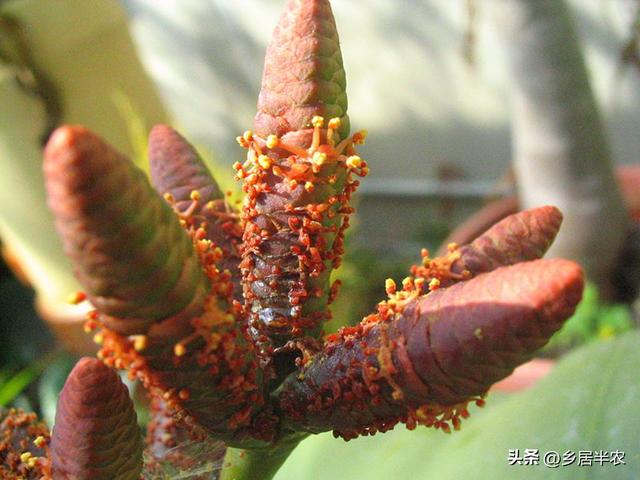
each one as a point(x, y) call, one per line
point(65, 140)
point(303, 75)
point(90, 372)
point(162, 133)
point(66, 136)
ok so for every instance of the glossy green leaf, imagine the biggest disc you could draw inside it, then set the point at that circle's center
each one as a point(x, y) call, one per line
point(14, 386)
point(590, 402)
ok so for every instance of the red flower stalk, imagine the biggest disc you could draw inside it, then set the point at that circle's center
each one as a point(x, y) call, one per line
point(96, 434)
point(517, 238)
point(421, 359)
point(297, 178)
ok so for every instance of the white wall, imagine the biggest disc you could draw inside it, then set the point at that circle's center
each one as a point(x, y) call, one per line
point(408, 83)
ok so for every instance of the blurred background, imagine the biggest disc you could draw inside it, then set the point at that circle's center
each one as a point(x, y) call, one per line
point(475, 109)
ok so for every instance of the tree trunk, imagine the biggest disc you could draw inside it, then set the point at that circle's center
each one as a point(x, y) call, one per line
point(561, 155)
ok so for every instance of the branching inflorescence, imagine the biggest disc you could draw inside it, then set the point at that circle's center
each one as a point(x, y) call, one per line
point(219, 313)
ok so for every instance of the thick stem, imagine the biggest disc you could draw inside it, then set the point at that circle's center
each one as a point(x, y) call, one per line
point(561, 154)
point(260, 464)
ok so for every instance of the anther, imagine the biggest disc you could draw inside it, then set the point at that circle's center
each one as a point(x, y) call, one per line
point(76, 297)
point(319, 158)
point(140, 343)
point(317, 121)
point(390, 286)
point(354, 161)
point(335, 123)
point(39, 441)
point(264, 161)
point(359, 137)
point(272, 141)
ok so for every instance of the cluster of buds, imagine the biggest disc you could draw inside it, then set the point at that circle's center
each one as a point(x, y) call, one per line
point(219, 313)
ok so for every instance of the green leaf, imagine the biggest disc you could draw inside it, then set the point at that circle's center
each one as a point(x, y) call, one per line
point(589, 402)
point(15, 385)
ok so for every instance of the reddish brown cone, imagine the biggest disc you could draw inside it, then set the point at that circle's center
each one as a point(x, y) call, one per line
point(127, 247)
point(178, 170)
point(96, 434)
point(421, 361)
point(303, 73)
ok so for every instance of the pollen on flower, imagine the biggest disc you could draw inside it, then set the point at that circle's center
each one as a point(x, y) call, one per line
point(89, 325)
point(40, 441)
point(354, 161)
point(390, 286)
point(264, 161)
point(195, 195)
point(335, 123)
point(434, 284)
point(140, 342)
point(319, 158)
point(76, 298)
point(272, 141)
point(312, 220)
point(360, 137)
point(169, 198)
